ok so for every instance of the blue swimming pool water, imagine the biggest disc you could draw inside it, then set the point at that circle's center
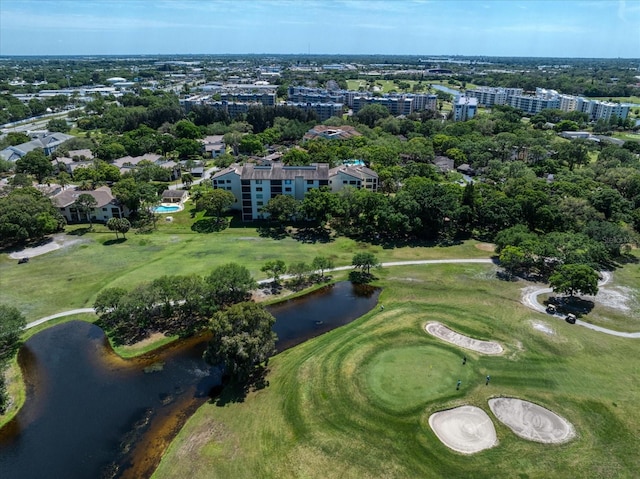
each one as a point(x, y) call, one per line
point(166, 209)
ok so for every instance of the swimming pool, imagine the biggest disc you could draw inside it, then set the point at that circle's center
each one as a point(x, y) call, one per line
point(166, 209)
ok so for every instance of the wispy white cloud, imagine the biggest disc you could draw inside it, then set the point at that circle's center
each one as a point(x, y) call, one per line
point(539, 28)
point(622, 5)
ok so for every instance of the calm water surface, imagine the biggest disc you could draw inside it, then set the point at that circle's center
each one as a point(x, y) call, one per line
point(90, 414)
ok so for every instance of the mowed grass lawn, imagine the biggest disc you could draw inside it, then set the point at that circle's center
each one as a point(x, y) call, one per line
point(355, 403)
point(72, 277)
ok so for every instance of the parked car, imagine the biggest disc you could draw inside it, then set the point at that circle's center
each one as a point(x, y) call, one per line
point(571, 318)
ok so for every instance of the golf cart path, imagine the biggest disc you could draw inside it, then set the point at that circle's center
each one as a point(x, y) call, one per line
point(71, 312)
point(530, 298)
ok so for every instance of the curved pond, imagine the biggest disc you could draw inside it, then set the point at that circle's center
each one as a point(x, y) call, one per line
point(91, 414)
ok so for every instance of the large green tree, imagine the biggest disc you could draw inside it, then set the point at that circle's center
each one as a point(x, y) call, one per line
point(215, 202)
point(35, 163)
point(12, 322)
point(282, 208)
point(574, 279)
point(322, 264)
point(26, 214)
point(230, 283)
point(85, 203)
point(119, 225)
point(242, 339)
point(365, 261)
point(276, 267)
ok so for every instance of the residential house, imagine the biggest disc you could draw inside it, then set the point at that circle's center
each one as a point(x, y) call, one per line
point(107, 205)
point(129, 163)
point(214, 145)
point(49, 142)
point(175, 196)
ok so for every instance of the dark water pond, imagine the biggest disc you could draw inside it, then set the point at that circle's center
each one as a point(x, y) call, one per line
point(90, 414)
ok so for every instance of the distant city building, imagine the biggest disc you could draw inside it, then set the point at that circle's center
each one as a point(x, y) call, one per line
point(545, 99)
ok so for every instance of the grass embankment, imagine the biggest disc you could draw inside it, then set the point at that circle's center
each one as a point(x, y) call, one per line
point(72, 277)
point(355, 402)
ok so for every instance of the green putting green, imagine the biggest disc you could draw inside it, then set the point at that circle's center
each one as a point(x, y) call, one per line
point(403, 378)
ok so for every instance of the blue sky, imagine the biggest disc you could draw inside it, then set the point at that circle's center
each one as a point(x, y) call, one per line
point(574, 28)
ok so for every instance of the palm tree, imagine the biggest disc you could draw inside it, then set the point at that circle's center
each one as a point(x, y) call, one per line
point(85, 203)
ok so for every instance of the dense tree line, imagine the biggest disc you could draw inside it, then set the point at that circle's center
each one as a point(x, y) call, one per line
point(173, 305)
point(27, 215)
point(12, 322)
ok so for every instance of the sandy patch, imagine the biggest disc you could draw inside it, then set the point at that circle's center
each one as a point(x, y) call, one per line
point(57, 241)
point(442, 332)
point(466, 429)
point(542, 327)
point(531, 422)
point(203, 434)
point(490, 247)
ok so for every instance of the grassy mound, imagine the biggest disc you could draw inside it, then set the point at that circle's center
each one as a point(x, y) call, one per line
point(402, 378)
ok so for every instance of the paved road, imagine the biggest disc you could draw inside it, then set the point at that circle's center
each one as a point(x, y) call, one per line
point(530, 299)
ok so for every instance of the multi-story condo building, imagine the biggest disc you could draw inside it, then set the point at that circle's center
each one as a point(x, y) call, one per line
point(488, 96)
point(324, 111)
point(605, 110)
point(465, 108)
point(533, 104)
point(544, 98)
point(254, 185)
point(264, 98)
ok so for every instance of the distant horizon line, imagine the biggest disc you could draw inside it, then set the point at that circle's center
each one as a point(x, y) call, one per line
point(70, 55)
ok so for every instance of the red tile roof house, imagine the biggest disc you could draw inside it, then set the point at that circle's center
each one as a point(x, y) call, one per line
point(107, 206)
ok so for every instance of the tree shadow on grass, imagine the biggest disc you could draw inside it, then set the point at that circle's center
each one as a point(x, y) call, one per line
point(312, 235)
point(236, 392)
point(114, 241)
point(80, 231)
point(572, 304)
point(273, 232)
point(210, 225)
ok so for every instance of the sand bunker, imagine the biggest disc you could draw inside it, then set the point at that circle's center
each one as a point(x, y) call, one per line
point(466, 429)
point(532, 422)
point(441, 331)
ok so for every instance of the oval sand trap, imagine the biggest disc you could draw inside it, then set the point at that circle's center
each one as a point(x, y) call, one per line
point(439, 330)
point(530, 421)
point(466, 429)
